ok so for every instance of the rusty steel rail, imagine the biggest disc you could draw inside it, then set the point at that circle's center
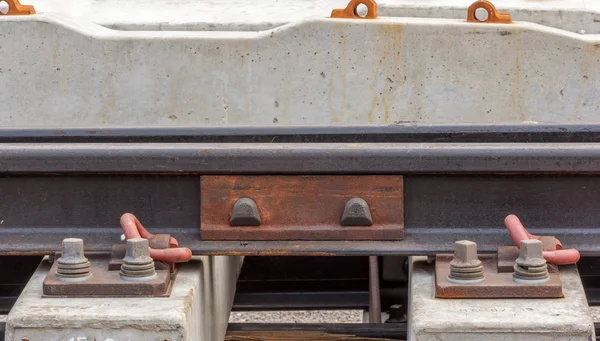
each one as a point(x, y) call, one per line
point(401, 133)
point(299, 158)
point(78, 182)
point(39, 211)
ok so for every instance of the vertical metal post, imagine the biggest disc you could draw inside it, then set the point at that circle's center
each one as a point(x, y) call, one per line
point(374, 295)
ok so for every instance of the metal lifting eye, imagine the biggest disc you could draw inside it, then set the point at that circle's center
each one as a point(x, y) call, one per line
point(478, 10)
point(352, 10)
point(15, 8)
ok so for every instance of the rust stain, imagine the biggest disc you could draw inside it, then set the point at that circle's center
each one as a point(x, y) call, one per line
point(386, 108)
point(108, 100)
point(373, 103)
point(106, 90)
point(396, 59)
point(385, 70)
point(380, 68)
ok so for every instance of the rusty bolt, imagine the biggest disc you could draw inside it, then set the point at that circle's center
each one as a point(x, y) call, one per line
point(25, 339)
point(137, 251)
point(466, 251)
point(72, 266)
point(465, 267)
point(72, 251)
point(137, 264)
point(530, 253)
point(531, 266)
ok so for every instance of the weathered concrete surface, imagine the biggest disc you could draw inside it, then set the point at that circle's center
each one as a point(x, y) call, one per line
point(434, 319)
point(60, 72)
point(574, 16)
point(241, 15)
point(197, 309)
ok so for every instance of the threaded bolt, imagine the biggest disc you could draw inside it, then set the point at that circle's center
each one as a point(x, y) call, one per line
point(465, 267)
point(531, 267)
point(137, 264)
point(72, 266)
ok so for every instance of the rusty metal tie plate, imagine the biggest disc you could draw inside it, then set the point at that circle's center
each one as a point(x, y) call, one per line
point(106, 282)
point(496, 284)
point(303, 207)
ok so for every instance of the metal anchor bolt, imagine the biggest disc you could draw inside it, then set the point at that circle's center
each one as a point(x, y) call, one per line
point(72, 265)
point(137, 264)
point(531, 267)
point(465, 267)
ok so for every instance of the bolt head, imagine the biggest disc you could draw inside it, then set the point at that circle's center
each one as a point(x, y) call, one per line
point(465, 250)
point(530, 253)
point(356, 213)
point(72, 247)
point(72, 251)
point(137, 251)
point(245, 213)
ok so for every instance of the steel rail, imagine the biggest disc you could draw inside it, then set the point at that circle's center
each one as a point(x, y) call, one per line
point(509, 133)
point(300, 158)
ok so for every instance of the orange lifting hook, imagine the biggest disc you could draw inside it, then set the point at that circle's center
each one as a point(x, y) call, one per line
point(493, 15)
point(15, 8)
point(351, 10)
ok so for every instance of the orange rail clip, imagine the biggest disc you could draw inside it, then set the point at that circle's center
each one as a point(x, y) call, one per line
point(132, 228)
point(518, 233)
point(15, 8)
point(351, 13)
point(493, 15)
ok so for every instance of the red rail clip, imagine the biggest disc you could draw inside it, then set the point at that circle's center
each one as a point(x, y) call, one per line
point(132, 228)
point(519, 233)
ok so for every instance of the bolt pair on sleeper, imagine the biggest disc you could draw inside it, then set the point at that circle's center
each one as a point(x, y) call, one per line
point(530, 267)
